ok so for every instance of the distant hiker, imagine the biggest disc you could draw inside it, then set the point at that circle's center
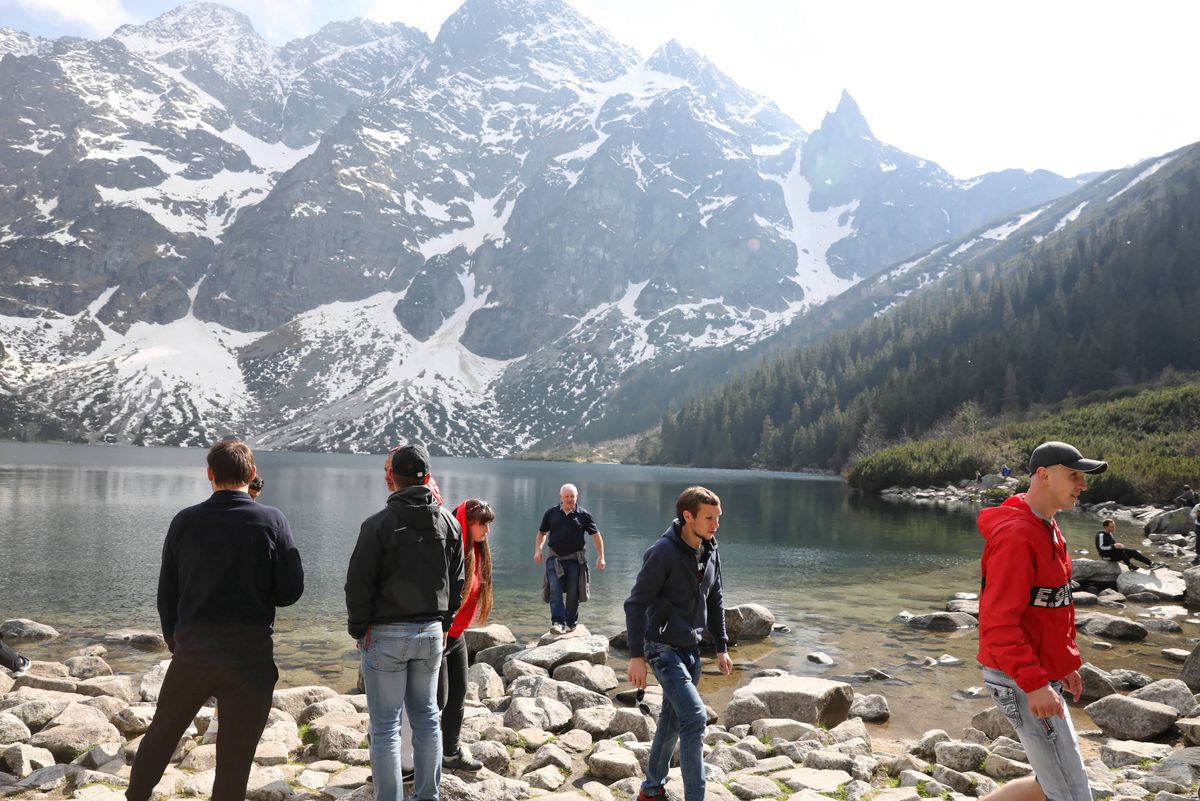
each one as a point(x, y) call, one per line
point(1027, 623)
point(226, 564)
point(403, 587)
point(1188, 497)
point(1113, 551)
point(566, 566)
point(13, 662)
point(1196, 530)
point(677, 594)
point(1005, 471)
point(978, 478)
point(475, 519)
point(255, 487)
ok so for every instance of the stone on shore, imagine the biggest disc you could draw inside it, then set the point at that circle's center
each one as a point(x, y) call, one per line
point(959, 756)
point(608, 721)
point(1123, 753)
point(487, 680)
point(497, 655)
point(1172, 521)
point(593, 648)
point(1123, 718)
point(1171, 692)
point(22, 629)
point(138, 638)
point(810, 700)
point(597, 678)
point(943, 621)
point(294, 699)
point(1111, 627)
point(543, 713)
point(481, 637)
point(992, 722)
point(573, 696)
point(613, 764)
point(1163, 584)
point(1095, 572)
point(1097, 683)
point(748, 622)
point(871, 708)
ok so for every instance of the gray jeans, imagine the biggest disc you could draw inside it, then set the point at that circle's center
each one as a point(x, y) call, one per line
point(1050, 743)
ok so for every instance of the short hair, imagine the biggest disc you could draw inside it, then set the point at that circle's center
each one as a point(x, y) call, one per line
point(478, 511)
point(570, 487)
point(692, 498)
point(1108, 520)
point(232, 463)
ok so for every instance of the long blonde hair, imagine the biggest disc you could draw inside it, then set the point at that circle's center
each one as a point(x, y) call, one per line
point(477, 559)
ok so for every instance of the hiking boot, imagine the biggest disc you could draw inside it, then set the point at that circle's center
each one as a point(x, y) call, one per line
point(658, 793)
point(460, 760)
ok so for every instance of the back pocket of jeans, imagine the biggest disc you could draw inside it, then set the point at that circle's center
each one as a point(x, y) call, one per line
point(1006, 701)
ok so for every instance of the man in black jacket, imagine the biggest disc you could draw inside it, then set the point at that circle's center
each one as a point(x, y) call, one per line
point(676, 595)
point(403, 587)
point(226, 564)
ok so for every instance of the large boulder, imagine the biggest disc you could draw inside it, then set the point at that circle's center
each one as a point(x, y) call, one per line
point(573, 696)
point(1097, 683)
point(490, 685)
point(748, 622)
point(1173, 521)
point(609, 721)
point(88, 667)
point(1189, 674)
point(567, 649)
point(871, 708)
point(1191, 582)
point(804, 698)
point(1171, 692)
point(23, 629)
point(488, 636)
point(1111, 627)
point(613, 764)
point(1162, 583)
point(1124, 753)
point(68, 742)
point(497, 655)
point(295, 699)
point(1124, 718)
point(1095, 572)
point(13, 729)
point(139, 638)
point(537, 713)
point(597, 678)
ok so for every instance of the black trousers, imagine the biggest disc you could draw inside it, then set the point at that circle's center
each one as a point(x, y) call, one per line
point(243, 693)
point(9, 658)
point(1128, 555)
point(452, 692)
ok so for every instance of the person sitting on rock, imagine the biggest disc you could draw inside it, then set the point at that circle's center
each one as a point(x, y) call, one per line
point(1113, 551)
point(1188, 497)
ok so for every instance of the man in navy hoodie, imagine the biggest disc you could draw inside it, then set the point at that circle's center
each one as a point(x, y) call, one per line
point(1027, 623)
point(226, 564)
point(677, 595)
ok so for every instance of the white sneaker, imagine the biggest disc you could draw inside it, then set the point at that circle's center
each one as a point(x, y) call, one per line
point(558, 628)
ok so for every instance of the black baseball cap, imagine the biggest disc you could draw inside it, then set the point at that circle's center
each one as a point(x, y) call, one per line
point(410, 461)
point(1051, 453)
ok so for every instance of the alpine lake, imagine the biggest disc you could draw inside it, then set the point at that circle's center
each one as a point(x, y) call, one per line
point(82, 526)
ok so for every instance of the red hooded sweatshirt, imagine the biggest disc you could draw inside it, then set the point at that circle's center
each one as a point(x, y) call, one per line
point(1026, 614)
point(466, 610)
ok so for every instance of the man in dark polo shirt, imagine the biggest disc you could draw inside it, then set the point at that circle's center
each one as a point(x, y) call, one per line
point(566, 566)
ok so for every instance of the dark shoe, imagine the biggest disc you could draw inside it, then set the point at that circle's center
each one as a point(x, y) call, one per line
point(21, 669)
point(572, 626)
point(653, 794)
point(460, 760)
point(407, 774)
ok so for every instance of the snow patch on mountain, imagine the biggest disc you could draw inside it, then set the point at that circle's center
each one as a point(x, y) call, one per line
point(1141, 176)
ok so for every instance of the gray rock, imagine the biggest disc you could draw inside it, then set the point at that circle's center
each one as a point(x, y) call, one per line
point(609, 721)
point(1189, 674)
point(88, 667)
point(68, 742)
point(1111, 627)
point(1171, 692)
point(516, 668)
point(152, 681)
point(21, 760)
point(943, 621)
point(597, 678)
point(820, 658)
point(486, 679)
point(1190, 728)
point(47, 779)
point(294, 700)
point(23, 629)
point(1125, 718)
point(573, 696)
point(748, 622)
point(1122, 753)
point(138, 638)
point(956, 781)
point(871, 708)
point(594, 649)
point(969, 607)
point(481, 637)
point(1172, 521)
point(1005, 768)
point(37, 713)
point(13, 729)
point(1162, 584)
point(496, 655)
point(825, 759)
point(803, 698)
point(780, 727)
point(493, 755)
point(1096, 683)
point(547, 778)
point(612, 765)
point(992, 722)
point(334, 740)
point(550, 754)
point(960, 756)
point(1123, 678)
point(924, 747)
point(750, 786)
point(730, 758)
point(542, 713)
point(1095, 572)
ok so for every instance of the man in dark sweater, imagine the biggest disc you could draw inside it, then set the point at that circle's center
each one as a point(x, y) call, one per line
point(677, 595)
point(226, 564)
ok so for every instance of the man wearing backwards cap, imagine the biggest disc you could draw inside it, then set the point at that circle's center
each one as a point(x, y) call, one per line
point(402, 589)
point(1027, 623)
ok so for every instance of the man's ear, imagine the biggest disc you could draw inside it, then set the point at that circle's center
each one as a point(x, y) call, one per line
point(211, 476)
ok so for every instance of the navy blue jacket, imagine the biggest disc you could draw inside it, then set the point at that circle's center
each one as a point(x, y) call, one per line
point(226, 564)
point(670, 603)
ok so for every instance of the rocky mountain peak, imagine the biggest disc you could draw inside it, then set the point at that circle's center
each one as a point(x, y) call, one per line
point(847, 121)
point(194, 24)
point(673, 58)
point(19, 43)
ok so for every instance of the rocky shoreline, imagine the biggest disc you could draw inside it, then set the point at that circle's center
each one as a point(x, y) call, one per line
point(548, 718)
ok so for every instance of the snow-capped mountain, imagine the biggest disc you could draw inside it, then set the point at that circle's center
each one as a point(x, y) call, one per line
point(365, 236)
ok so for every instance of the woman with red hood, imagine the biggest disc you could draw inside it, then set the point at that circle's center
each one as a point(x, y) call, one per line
point(475, 519)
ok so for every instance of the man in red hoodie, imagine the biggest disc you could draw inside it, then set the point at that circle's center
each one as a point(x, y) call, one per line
point(1027, 623)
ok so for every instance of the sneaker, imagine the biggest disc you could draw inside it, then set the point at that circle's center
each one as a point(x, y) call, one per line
point(558, 628)
point(22, 668)
point(658, 793)
point(572, 627)
point(460, 760)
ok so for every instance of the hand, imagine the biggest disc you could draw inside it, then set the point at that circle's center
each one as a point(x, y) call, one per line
point(358, 645)
point(445, 639)
point(537, 556)
point(637, 672)
point(1119, 546)
point(724, 663)
point(600, 563)
point(1073, 683)
point(1045, 703)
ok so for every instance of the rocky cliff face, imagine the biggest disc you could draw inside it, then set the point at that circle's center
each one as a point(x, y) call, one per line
point(364, 235)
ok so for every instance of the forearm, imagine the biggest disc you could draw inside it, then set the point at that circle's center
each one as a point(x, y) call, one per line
point(599, 545)
point(539, 541)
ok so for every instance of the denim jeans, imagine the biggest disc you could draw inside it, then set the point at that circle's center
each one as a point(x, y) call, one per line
point(400, 663)
point(1050, 743)
point(682, 719)
point(560, 613)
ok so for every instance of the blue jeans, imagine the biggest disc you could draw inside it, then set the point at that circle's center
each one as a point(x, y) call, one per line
point(400, 664)
point(681, 721)
point(1050, 743)
point(569, 584)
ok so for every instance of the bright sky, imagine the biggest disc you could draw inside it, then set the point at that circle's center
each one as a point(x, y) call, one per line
point(1067, 85)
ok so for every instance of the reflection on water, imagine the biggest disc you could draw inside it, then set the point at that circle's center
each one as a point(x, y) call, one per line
point(81, 528)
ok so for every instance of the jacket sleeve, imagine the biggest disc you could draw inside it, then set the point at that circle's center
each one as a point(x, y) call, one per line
point(1010, 571)
point(362, 580)
point(646, 588)
point(454, 569)
point(168, 587)
point(1104, 542)
point(288, 584)
point(716, 610)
